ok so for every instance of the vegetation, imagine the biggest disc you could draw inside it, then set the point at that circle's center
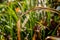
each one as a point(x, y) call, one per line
point(28, 19)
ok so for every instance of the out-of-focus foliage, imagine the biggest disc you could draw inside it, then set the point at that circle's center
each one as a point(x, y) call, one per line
point(10, 12)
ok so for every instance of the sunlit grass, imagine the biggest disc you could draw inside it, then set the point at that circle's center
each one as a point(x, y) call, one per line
point(9, 18)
